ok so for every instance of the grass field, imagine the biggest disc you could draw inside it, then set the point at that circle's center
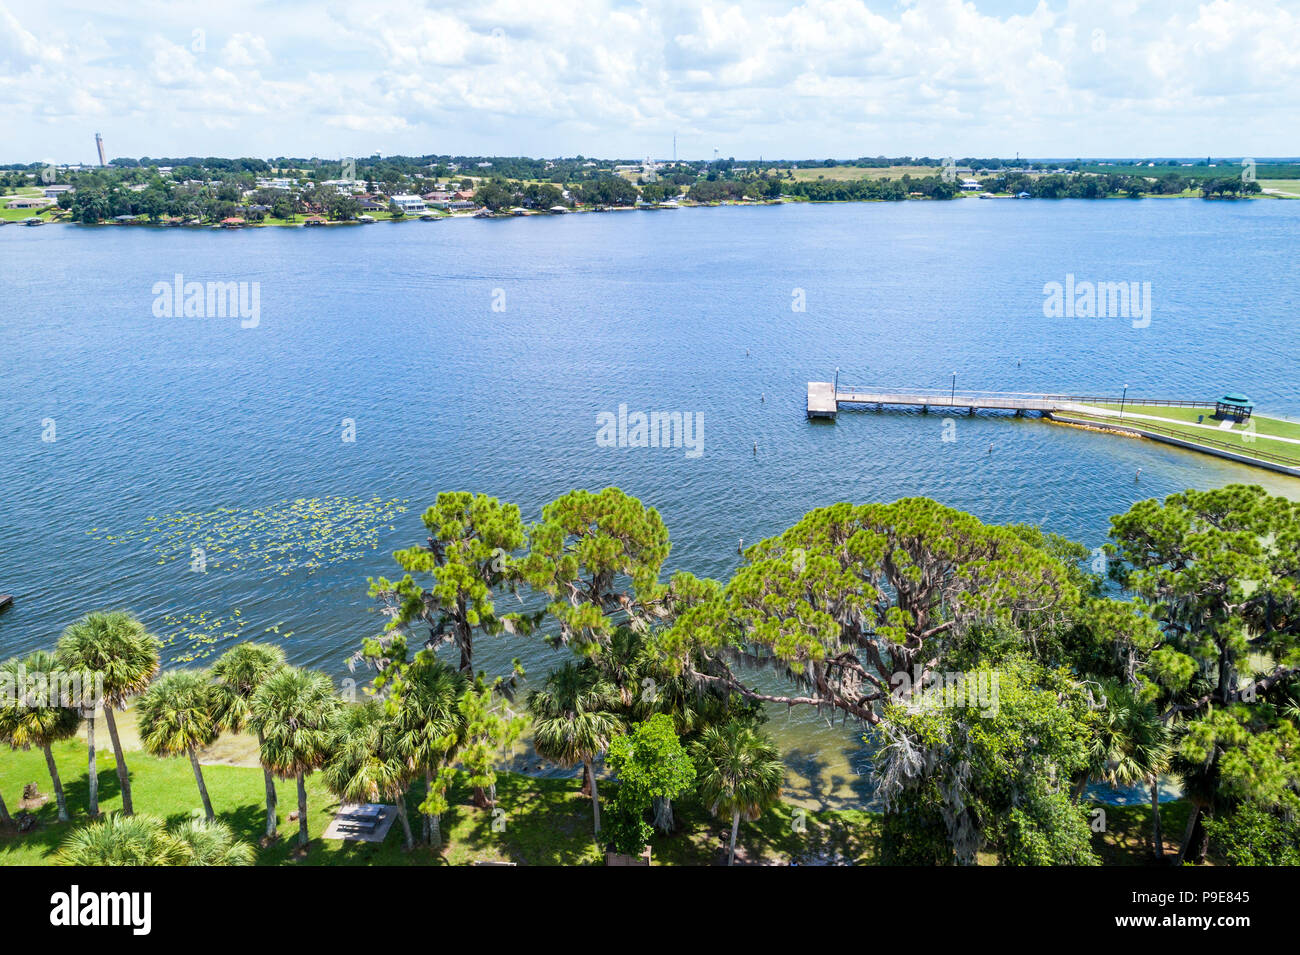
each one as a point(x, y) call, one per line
point(1263, 425)
point(1240, 438)
point(542, 821)
point(17, 215)
point(22, 191)
point(1289, 187)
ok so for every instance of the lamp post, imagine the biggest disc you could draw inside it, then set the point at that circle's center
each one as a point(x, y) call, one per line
point(1121, 403)
point(952, 398)
point(836, 386)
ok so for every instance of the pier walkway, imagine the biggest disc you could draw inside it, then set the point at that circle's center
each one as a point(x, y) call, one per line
point(824, 400)
point(1270, 445)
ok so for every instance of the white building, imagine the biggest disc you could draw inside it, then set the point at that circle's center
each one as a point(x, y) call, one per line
point(408, 203)
point(352, 186)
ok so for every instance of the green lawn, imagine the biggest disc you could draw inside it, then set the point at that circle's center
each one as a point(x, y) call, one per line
point(17, 215)
point(1291, 187)
point(1182, 422)
point(1127, 838)
point(542, 821)
point(1264, 425)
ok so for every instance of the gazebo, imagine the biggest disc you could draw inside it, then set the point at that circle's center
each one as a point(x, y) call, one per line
point(1236, 407)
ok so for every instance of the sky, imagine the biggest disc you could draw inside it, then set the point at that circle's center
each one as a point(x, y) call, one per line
point(779, 79)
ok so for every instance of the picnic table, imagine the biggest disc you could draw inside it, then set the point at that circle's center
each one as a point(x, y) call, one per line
point(363, 817)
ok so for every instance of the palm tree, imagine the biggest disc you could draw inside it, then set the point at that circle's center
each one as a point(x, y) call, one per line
point(1130, 747)
point(207, 842)
point(177, 719)
point(430, 725)
point(116, 647)
point(295, 712)
point(27, 721)
point(739, 772)
point(239, 672)
point(119, 840)
point(646, 687)
point(573, 722)
point(366, 764)
point(1200, 785)
point(144, 841)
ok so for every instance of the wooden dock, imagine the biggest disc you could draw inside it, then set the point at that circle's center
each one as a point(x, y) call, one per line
point(1105, 412)
point(824, 400)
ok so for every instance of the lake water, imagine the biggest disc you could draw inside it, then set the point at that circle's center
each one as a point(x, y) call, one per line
point(476, 355)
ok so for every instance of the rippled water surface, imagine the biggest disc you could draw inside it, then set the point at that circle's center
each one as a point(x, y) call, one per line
point(230, 438)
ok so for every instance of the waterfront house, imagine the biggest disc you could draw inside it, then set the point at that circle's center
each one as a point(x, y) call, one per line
point(232, 222)
point(969, 185)
point(30, 202)
point(53, 192)
point(409, 203)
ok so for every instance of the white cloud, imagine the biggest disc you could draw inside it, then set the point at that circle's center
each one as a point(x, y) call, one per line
point(780, 78)
point(245, 51)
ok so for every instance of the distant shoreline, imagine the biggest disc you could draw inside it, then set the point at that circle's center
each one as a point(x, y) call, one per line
point(63, 220)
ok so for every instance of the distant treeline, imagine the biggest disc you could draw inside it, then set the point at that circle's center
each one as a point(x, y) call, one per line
point(1080, 186)
point(97, 202)
point(825, 190)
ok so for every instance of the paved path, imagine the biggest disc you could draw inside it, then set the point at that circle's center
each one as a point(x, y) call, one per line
point(1112, 413)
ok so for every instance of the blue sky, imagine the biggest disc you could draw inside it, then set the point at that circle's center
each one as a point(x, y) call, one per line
point(771, 78)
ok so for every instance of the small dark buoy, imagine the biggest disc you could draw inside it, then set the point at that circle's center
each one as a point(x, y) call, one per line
point(762, 398)
point(990, 447)
point(755, 449)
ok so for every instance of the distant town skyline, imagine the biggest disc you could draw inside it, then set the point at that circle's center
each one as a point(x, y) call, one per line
point(780, 79)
